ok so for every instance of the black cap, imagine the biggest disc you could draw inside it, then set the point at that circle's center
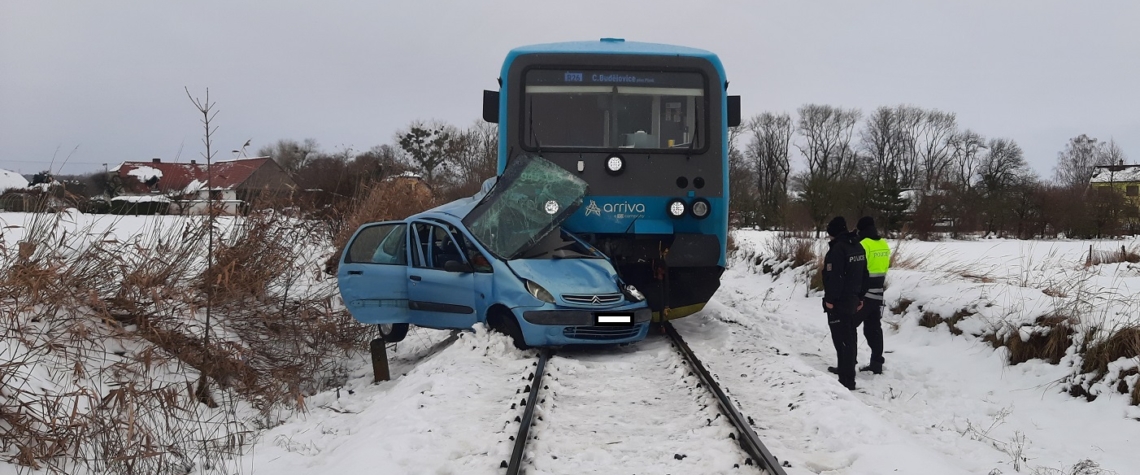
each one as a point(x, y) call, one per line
point(866, 227)
point(837, 226)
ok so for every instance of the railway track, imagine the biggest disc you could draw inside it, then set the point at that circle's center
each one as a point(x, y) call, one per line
point(680, 421)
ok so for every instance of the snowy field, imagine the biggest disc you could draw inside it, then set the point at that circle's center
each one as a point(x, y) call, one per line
point(947, 402)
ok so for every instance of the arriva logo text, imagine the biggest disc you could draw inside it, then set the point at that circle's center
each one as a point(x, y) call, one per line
point(624, 207)
point(618, 210)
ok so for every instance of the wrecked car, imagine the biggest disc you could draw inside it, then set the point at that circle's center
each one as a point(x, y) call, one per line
point(500, 258)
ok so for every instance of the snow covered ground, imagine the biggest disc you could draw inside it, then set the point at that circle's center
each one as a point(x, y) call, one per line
point(945, 404)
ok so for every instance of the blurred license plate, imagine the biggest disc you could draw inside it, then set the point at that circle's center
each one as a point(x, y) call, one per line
point(616, 319)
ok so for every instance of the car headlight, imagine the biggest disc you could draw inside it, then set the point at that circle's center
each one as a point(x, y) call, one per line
point(633, 294)
point(538, 292)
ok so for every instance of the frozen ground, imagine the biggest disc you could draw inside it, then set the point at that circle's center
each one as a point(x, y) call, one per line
point(946, 404)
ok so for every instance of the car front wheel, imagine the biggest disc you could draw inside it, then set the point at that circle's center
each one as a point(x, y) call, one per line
point(393, 332)
point(506, 323)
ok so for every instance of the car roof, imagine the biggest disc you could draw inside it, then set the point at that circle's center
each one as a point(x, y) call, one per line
point(455, 209)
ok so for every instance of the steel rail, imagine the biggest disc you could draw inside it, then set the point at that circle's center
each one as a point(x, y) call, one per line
point(524, 423)
point(745, 435)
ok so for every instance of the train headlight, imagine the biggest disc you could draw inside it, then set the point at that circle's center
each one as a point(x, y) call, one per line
point(700, 208)
point(615, 164)
point(676, 208)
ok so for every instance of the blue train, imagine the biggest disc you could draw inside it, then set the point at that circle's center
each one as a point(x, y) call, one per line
point(646, 126)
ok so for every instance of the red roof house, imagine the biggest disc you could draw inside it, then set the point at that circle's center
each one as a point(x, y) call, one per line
point(231, 183)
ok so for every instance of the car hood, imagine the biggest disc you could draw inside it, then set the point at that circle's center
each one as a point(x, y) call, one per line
point(568, 276)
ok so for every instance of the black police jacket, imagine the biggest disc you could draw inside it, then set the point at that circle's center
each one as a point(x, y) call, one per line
point(845, 278)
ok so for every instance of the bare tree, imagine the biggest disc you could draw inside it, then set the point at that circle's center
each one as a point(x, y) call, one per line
point(1003, 165)
point(743, 199)
point(934, 147)
point(1077, 162)
point(475, 151)
point(910, 120)
point(768, 149)
point(1111, 153)
point(291, 154)
point(965, 153)
point(1002, 172)
point(206, 108)
point(827, 133)
point(881, 142)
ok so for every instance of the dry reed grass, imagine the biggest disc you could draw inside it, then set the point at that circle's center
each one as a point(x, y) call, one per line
point(1123, 342)
point(116, 328)
point(1049, 339)
point(381, 201)
point(1098, 257)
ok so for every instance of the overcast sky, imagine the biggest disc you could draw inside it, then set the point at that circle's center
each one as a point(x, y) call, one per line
point(108, 76)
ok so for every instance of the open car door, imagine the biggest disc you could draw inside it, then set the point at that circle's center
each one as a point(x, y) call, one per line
point(373, 273)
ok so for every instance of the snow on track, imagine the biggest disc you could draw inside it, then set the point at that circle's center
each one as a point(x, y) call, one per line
point(447, 415)
point(629, 409)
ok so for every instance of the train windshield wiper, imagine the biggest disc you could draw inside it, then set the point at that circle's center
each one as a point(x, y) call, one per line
point(696, 134)
point(530, 125)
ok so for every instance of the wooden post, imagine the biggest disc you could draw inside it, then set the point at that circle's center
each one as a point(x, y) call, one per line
point(379, 352)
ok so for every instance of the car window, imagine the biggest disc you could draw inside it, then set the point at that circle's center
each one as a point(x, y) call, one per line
point(380, 244)
point(531, 198)
point(436, 247)
point(474, 256)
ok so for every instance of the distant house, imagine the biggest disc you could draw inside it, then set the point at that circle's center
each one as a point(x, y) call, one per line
point(1124, 180)
point(11, 180)
point(189, 188)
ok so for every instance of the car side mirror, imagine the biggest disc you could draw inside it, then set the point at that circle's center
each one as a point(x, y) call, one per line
point(456, 266)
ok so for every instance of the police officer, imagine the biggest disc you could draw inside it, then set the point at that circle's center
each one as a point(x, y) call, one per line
point(844, 285)
point(871, 316)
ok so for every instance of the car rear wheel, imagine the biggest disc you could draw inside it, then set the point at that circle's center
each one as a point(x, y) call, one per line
point(393, 332)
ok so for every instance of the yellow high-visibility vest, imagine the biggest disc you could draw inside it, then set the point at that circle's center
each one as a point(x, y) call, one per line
point(878, 256)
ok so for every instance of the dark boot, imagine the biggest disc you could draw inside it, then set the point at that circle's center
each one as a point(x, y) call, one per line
point(876, 368)
point(849, 384)
point(832, 370)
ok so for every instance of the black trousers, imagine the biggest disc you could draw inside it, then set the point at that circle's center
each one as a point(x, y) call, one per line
point(842, 323)
point(871, 316)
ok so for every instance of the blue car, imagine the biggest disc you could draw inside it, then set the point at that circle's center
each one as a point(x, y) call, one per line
point(500, 257)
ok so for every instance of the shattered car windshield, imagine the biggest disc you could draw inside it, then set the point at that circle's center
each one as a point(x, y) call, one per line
point(531, 198)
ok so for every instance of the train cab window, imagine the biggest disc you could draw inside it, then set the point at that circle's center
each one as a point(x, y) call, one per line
point(380, 244)
point(613, 109)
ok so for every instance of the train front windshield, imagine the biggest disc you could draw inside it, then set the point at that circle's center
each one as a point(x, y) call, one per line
point(586, 109)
